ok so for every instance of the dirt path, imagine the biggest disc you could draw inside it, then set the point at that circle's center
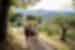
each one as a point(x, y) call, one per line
point(34, 43)
point(39, 44)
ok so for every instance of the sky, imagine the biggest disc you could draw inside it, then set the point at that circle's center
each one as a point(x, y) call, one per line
point(53, 5)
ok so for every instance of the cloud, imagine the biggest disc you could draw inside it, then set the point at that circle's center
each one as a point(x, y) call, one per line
point(53, 5)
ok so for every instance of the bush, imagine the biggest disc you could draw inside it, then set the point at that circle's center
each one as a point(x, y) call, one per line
point(50, 33)
point(71, 36)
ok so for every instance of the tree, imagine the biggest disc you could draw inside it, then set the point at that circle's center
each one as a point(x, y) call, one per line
point(16, 20)
point(61, 22)
point(3, 19)
point(31, 17)
point(65, 22)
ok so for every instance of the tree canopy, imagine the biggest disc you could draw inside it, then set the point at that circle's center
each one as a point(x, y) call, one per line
point(31, 17)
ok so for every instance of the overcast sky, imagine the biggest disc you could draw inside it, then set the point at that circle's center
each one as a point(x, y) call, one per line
point(53, 5)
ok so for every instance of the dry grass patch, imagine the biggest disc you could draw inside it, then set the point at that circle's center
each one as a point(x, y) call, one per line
point(56, 43)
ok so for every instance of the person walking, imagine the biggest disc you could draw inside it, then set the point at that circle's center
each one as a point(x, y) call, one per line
point(30, 34)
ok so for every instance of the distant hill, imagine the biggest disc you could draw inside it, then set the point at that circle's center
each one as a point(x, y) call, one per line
point(44, 13)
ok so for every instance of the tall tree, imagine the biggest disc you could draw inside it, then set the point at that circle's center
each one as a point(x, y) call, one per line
point(65, 22)
point(60, 21)
point(3, 19)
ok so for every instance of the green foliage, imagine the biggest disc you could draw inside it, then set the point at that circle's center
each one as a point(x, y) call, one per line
point(71, 21)
point(71, 36)
point(66, 21)
point(14, 20)
point(44, 28)
point(18, 15)
point(13, 2)
point(14, 17)
point(39, 19)
point(49, 32)
point(59, 20)
point(30, 17)
point(11, 11)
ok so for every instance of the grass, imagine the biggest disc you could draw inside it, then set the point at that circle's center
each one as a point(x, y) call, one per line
point(16, 40)
point(55, 42)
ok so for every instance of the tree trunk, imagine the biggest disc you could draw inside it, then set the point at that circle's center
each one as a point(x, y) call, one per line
point(63, 36)
point(3, 19)
point(3, 23)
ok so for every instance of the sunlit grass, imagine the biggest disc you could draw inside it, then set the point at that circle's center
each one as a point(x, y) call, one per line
point(16, 39)
point(54, 41)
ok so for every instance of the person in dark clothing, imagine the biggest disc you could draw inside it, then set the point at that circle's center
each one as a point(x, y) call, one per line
point(29, 31)
point(30, 34)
